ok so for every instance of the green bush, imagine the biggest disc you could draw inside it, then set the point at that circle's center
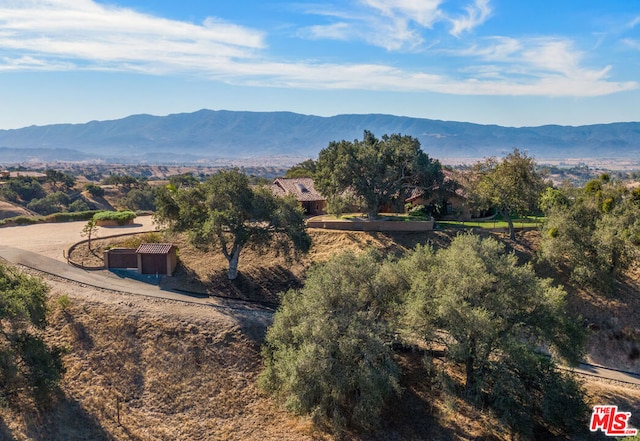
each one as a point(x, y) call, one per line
point(27, 363)
point(94, 190)
point(121, 217)
point(55, 217)
point(71, 217)
point(78, 205)
point(51, 203)
point(63, 302)
point(327, 353)
point(418, 210)
point(26, 220)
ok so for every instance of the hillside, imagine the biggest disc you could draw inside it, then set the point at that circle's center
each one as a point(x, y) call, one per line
point(208, 134)
point(9, 209)
point(188, 372)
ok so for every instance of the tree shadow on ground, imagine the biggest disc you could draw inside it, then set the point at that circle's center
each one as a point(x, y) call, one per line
point(261, 284)
point(5, 432)
point(66, 420)
point(258, 284)
point(413, 416)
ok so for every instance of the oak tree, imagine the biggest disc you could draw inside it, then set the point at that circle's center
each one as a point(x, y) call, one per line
point(512, 186)
point(495, 316)
point(225, 210)
point(376, 171)
point(327, 353)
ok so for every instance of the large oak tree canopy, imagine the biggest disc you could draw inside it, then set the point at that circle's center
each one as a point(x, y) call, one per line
point(376, 171)
point(226, 210)
point(512, 186)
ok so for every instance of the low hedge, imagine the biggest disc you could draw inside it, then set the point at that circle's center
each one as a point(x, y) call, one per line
point(55, 217)
point(120, 217)
point(70, 217)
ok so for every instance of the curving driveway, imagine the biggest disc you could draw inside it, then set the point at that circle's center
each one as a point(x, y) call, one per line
point(41, 246)
point(50, 239)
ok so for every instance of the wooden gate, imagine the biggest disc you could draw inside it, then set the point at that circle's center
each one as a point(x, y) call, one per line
point(121, 258)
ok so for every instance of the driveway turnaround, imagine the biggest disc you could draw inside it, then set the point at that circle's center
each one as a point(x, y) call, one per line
point(50, 239)
point(40, 247)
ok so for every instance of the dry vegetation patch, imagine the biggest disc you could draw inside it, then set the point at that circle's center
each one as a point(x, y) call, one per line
point(170, 371)
point(190, 372)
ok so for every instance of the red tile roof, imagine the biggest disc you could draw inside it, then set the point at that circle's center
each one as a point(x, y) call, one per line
point(154, 248)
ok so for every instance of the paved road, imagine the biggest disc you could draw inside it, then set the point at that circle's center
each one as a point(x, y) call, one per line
point(41, 246)
point(50, 239)
point(608, 373)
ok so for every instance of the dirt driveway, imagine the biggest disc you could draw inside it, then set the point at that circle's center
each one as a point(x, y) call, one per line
point(51, 239)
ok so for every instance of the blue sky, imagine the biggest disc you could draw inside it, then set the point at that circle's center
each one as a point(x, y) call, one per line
point(506, 62)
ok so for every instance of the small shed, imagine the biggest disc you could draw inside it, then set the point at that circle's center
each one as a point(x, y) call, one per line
point(157, 258)
point(121, 258)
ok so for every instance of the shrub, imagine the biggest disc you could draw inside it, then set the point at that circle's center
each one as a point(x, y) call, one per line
point(27, 363)
point(121, 217)
point(336, 205)
point(137, 199)
point(137, 240)
point(26, 220)
point(63, 302)
point(78, 205)
point(418, 210)
point(326, 354)
point(94, 190)
point(71, 217)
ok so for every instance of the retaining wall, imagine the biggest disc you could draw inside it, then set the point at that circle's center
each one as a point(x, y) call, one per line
point(380, 225)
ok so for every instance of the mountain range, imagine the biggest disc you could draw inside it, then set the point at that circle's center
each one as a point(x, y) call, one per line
point(209, 135)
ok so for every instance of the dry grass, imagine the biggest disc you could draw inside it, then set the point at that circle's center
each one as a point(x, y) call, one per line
point(176, 373)
point(9, 209)
point(186, 372)
point(189, 373)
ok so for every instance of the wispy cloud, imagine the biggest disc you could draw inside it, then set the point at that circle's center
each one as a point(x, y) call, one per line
point(631, 43)
point(392, 25)
point(476, 14)
point(485, 80)
point(90, 35)
point(396, 25)
point(55, 35)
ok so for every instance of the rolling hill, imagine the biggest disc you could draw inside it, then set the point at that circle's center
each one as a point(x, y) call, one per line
point(208, 134)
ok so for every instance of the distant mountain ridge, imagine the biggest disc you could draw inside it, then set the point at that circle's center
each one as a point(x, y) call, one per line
point(209, 134)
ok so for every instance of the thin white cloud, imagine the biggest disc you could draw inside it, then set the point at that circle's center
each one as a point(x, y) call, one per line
point(392, 25)
point(55, 35)
point(97, 36)
point(476, 14)
point(631, 43)
point(396, 25)
point(380, 77)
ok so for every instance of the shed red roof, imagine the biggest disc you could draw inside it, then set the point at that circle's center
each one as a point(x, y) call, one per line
point(155, 248)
